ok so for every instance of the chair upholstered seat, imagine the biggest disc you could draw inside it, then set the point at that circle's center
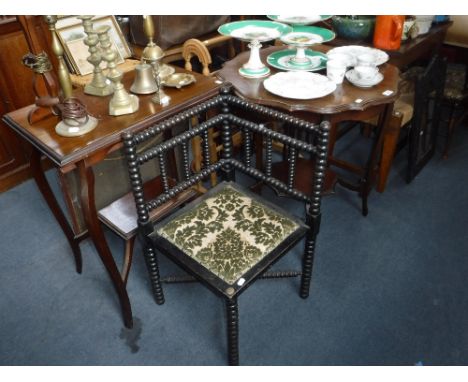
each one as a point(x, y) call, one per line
point(229, 232)
point(403, 106)
point(455, 94)
point(455, 97)
point(455, 83)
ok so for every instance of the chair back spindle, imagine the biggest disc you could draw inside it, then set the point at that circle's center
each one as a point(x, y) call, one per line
point(185, 160)
point(226, 121)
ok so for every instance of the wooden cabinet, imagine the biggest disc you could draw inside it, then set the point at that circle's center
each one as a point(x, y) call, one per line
point(15, 92)
point(12, 155)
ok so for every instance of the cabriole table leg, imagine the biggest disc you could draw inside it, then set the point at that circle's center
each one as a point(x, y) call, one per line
point(46, 191)
point(99, 240)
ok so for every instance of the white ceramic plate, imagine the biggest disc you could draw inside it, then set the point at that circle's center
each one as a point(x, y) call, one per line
point(299, 20)
point(304, 20)
point(301, 38)
point(299, 85)
point(251, 32)
point(352, 77)
point(380, 57)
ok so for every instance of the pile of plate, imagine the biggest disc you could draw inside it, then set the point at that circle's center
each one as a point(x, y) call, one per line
point(349, 55)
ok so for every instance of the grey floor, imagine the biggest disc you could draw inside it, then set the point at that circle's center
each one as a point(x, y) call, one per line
point(389, 289)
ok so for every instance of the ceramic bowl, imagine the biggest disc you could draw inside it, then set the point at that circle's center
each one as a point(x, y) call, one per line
point(424, 23)
point(407, 28)
point(354, 27)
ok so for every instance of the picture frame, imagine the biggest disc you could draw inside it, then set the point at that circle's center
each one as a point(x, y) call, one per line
point(71, 35)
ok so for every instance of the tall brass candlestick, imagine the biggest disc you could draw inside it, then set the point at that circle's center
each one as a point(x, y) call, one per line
point(121, 102)
point(75, 119)
point(98, 85)
point(62, 71)
point(153, 54)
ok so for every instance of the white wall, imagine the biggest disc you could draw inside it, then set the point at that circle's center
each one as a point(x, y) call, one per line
point(458, 32)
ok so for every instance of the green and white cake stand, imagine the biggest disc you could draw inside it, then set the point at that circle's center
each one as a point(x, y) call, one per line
point(255, 32)
point(301, 38)
point(284, 60)
point(299, 20)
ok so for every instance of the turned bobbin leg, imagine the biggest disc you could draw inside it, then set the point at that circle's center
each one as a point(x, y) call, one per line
point(307, 265)
point(153, 270)
point(232, 331)
point(313, 213)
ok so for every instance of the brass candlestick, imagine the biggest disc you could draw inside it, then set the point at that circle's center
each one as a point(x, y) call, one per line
point(75, 119)
point(121, 102)
point(160, 97)
point(98, 85)
point(153, 54)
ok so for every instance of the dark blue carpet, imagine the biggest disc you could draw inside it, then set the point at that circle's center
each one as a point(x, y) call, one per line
point(389, 289)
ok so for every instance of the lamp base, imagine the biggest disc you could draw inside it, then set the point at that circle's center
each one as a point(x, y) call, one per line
point(65, 130)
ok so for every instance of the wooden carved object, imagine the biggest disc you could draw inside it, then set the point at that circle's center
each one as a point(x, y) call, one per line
point(44, 83)
point(196, 47)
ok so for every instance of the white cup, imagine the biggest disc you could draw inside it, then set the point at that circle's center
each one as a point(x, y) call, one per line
point(336, 70)
point(346, 58)
point(366, 73)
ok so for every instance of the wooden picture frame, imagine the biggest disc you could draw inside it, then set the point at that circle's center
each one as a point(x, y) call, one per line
point(71, 35)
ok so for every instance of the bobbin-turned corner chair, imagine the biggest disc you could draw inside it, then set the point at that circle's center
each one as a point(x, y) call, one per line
point(229, 237)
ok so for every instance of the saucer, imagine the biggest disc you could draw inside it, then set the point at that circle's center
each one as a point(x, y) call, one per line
point(352, 77)
point(178, 80)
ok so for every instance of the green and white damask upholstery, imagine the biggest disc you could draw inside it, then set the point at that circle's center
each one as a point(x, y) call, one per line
point(455, 81)
point(229, 232)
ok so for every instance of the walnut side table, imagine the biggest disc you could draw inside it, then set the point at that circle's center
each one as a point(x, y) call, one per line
point(82, 153)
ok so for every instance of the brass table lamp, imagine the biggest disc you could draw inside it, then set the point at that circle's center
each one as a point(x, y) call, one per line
point(75, 119)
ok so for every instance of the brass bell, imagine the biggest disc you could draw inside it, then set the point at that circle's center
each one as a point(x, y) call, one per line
point(144, 82)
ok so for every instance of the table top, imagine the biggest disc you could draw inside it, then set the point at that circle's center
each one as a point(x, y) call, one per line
point(65, 151)
point(346, 97)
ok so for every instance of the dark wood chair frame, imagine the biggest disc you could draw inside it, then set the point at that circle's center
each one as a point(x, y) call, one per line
point(420, 133)
point(316, 145)
point(424, 126)
point(453, 120)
